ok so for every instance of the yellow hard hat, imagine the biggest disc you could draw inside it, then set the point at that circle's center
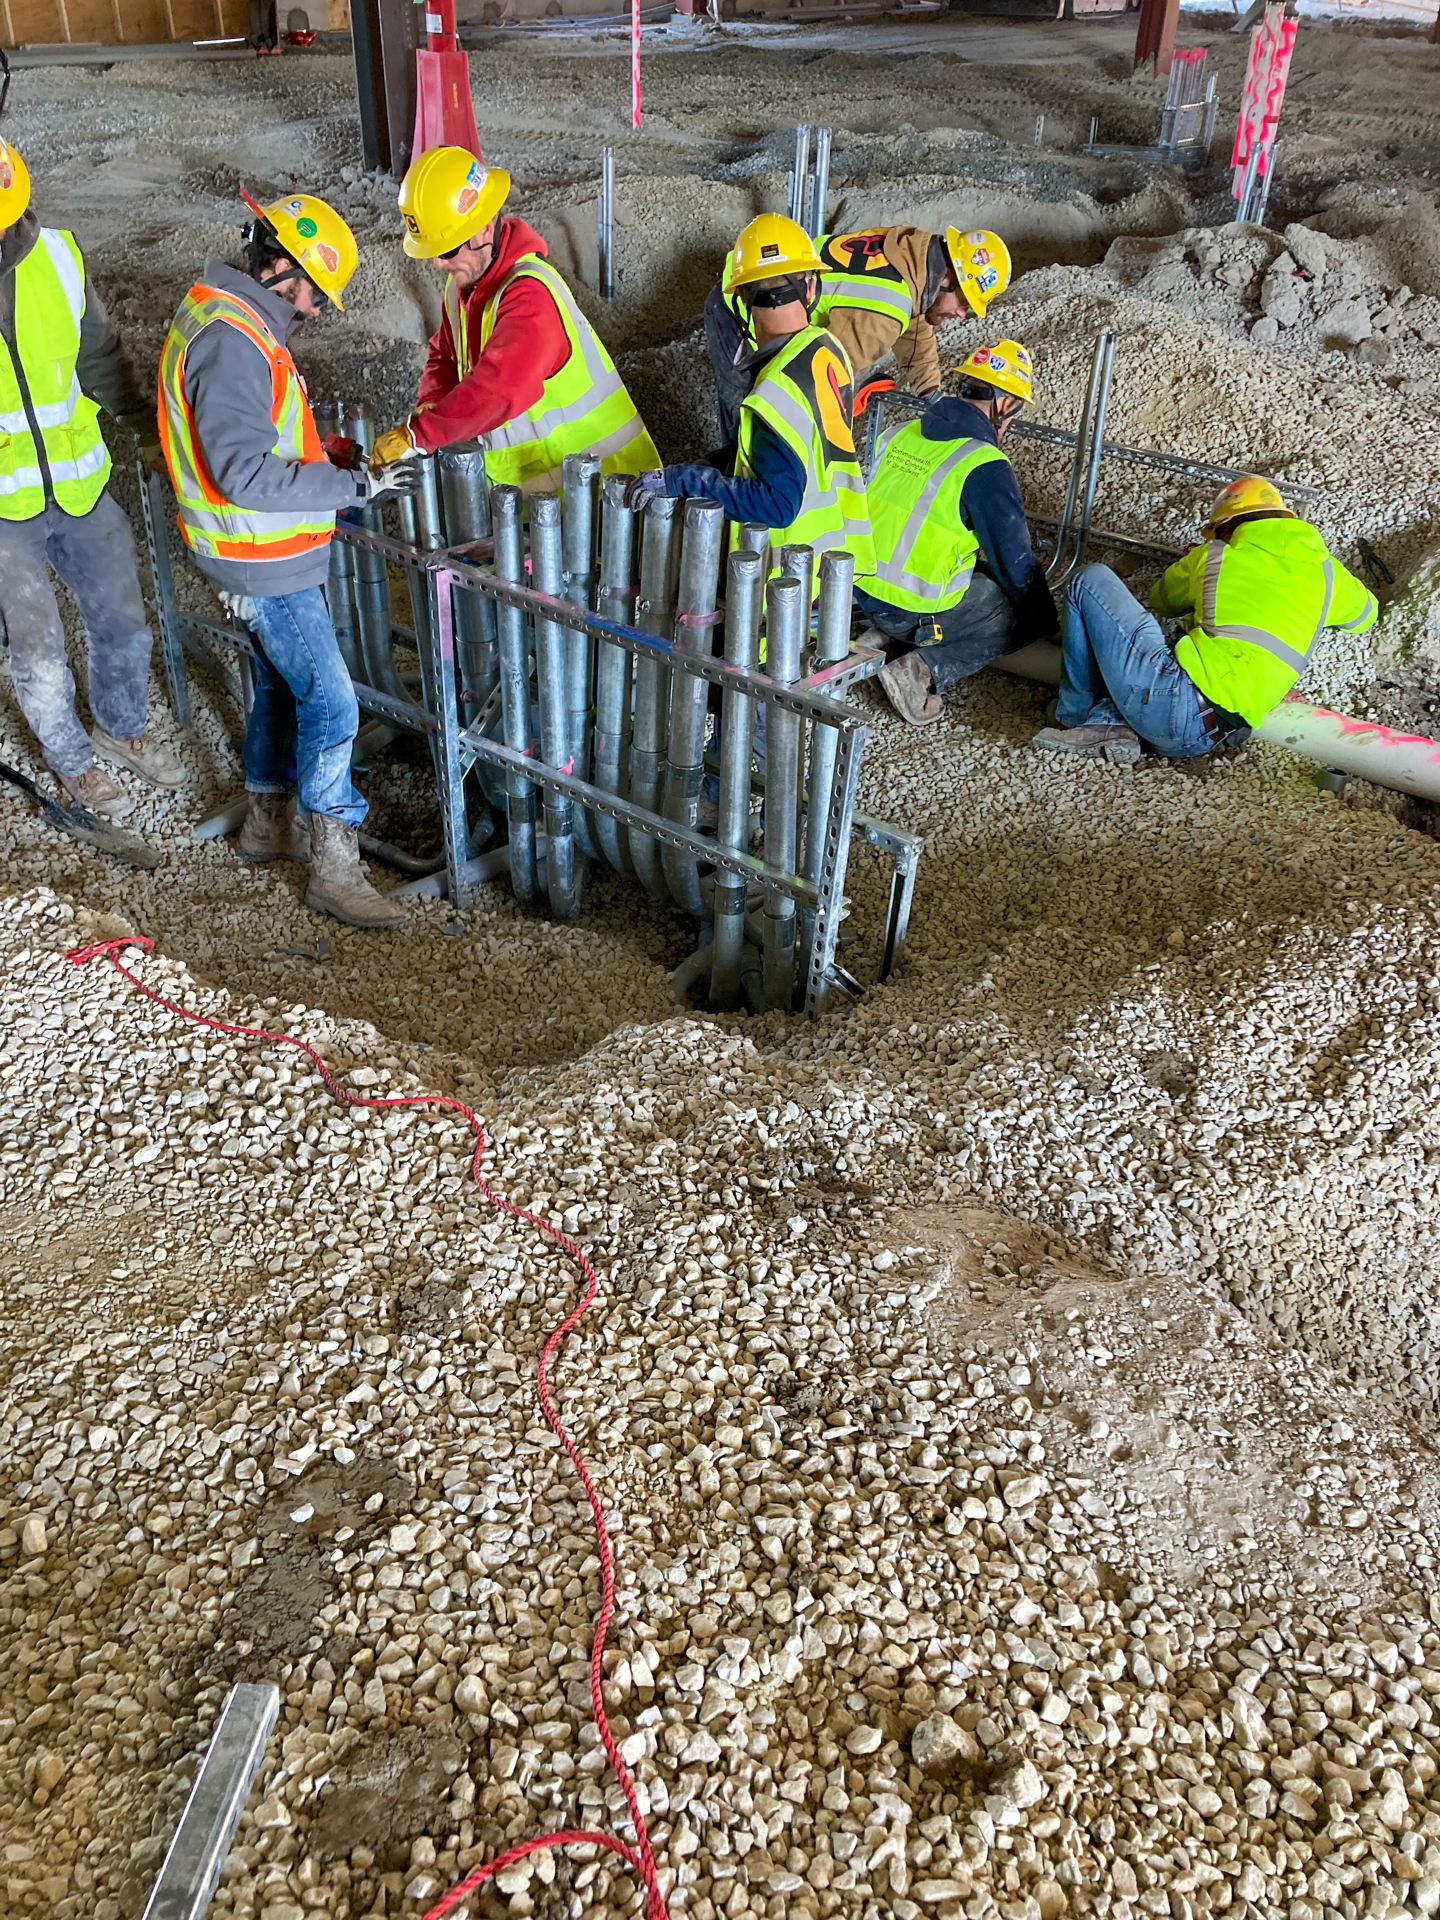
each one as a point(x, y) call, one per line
point(981, 261)
point(14, 185)
point(316, 239)
point(1249, 494)
point(447, 197)
point(768, 249)
point(1006, 365)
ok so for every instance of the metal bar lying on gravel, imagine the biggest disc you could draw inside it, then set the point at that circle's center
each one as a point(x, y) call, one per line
point(191, 1867)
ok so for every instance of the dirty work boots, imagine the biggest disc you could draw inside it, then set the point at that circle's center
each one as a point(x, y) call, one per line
point(337, 886)
point(270, 831)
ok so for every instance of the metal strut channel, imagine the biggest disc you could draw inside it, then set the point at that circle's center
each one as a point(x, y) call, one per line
point(187, 1877)
point(152, 509)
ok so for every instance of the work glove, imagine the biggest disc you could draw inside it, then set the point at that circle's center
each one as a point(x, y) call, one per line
point(392, 480)
point(239, 606)
point(642, 488)
point(146, 430)
point(392, 445)
point(341, 452)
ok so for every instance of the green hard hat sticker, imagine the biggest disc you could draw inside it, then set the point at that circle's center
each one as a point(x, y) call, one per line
point(306, 228)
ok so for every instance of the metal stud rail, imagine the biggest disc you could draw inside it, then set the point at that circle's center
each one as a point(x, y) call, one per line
point(572, 660)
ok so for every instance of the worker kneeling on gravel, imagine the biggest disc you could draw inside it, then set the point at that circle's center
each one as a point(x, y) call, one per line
point(1260, 587)
point(515, 365)
point(57, 349)
point(882, 290)
point(796, 470)
point(956, 580)
point(257, 500)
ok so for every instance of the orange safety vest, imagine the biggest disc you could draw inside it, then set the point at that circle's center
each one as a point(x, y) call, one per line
point(211, 524)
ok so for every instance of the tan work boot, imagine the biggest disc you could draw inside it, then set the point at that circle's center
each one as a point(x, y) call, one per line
point(911, 689)
point(337, 885)
point(1119, 745)
point(143, 756)
point(96, 790)
point(271, 831)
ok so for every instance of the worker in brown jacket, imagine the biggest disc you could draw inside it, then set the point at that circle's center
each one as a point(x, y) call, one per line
point(883, 290)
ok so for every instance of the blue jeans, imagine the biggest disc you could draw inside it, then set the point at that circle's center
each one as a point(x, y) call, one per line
point(977, 630)
point(305, 716)
point(1117, 669)
point(94, 554)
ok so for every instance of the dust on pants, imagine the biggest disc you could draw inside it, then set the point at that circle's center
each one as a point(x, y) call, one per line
point(94, 554)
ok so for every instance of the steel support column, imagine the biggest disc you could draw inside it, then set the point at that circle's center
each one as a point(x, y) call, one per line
point(1155, 37)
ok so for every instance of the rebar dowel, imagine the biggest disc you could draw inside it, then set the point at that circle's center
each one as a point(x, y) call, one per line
point(547, 569)
point(702, 541)
point(372, 582)
point(1094, 129)
point(605, 224)
point(506, 510)
point(819, 185)
point(801, 174)
point(743, 594)
point(654, 613)
point(465, 498)
point(786, 619)
point(1105, 358)
point(832, 642)
point(615, 599)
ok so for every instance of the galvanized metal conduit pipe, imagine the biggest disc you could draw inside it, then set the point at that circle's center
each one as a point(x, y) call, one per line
point(372, 583)
point(616, 601)
point(1105, 357)
point(564, 877)
point(701, 544)
point(819, 185)
point(786, 620)
point(799, 563)
point(506, 508)
point(340, 587)
point(800, 174)
point(420, 527)
point(605, 224)
point(579, 500)
point(832, 642)
point(654, 613)
point(737, 719)
point(465, 498)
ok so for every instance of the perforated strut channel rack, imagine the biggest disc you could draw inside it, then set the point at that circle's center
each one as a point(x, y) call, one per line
point(618, 754)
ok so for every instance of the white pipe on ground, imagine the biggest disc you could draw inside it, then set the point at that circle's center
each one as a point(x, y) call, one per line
point(1406, 762)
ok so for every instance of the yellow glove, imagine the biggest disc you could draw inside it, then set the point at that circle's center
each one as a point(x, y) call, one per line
point(391, 446)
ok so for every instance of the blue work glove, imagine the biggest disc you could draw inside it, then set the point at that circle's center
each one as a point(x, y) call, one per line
point(642, 488)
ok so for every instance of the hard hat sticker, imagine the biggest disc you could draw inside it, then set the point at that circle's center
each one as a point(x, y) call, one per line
point(997, 362)
point(306, 228)
point(294, 206)
point(475, 177)
point(985, 281)
point(7, 172)
point(466, 197)
point(328, 258)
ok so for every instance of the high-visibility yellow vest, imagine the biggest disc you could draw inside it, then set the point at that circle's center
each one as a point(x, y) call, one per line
point(854, 272)
point(1263, 598)
point(584, 408)
point(924, 552)
point(49, 306)
point(211, 524)
point(805, 394)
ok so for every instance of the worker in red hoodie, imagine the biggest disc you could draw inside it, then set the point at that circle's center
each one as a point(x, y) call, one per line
point(515, 365)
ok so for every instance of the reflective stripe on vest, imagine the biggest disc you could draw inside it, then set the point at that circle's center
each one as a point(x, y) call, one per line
point(210, 523)
point(882, 290)
point(584, 408)
point(1270, 643)
point(834, 512)
point(49, 305)
point(924, 552)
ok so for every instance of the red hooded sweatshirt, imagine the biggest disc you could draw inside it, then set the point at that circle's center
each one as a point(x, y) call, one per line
point(527, 346)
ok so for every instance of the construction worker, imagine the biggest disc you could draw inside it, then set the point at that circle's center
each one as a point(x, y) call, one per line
point(1260, 588)
point(956, 580)
point(796, 470)
point(515, 364)
point(257, 499)
point(59, 357)
point(885, 289)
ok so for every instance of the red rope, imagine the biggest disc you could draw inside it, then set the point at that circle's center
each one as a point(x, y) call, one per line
point(639, 1858)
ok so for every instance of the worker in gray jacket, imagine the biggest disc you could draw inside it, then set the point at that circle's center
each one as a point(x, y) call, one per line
point(257, 498)
point(61, 360)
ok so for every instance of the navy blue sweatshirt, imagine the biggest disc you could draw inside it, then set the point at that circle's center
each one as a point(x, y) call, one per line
point(991, 507)
point(773, 497)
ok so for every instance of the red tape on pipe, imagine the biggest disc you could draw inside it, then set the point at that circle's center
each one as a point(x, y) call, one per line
point(639, 1858)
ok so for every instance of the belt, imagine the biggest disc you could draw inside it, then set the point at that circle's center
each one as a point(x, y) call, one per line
point(1224, 729)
